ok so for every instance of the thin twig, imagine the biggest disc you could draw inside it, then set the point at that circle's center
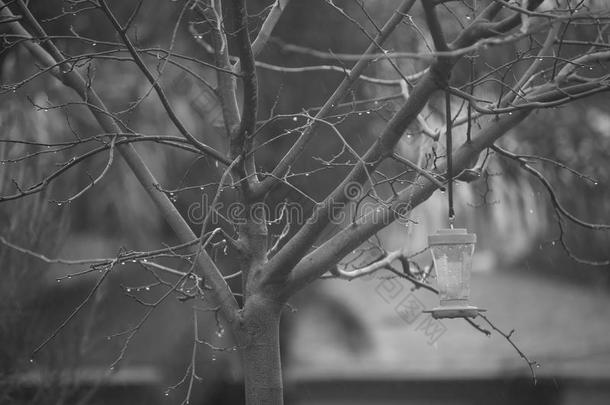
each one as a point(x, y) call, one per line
point(508, 336)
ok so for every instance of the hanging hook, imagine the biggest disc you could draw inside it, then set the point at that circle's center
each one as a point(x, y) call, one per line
point(449, 158)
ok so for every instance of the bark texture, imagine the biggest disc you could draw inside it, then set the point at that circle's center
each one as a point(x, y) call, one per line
point(260, 342)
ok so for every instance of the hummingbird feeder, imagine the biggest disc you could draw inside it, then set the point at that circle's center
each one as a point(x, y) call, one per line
point(452, 251)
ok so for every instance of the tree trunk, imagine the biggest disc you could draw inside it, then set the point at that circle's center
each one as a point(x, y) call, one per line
point(260, 341)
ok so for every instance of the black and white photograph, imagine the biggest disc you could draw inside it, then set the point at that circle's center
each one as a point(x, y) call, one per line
point(304, 202)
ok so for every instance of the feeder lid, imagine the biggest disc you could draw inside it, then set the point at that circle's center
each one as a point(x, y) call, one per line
point(457, 236)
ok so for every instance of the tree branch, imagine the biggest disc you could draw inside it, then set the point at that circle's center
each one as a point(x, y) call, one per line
point(241, 140)
point(330, 252)
point(434, 26)
point(268, 25)
point(436, 78)
point(288, 159)
point(160, 93)
point(508, 336)
point(221, 293)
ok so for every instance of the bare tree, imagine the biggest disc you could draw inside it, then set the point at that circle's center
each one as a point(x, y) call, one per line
point(557, 54)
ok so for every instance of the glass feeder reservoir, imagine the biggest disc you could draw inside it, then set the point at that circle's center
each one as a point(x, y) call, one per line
point(452, 251)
